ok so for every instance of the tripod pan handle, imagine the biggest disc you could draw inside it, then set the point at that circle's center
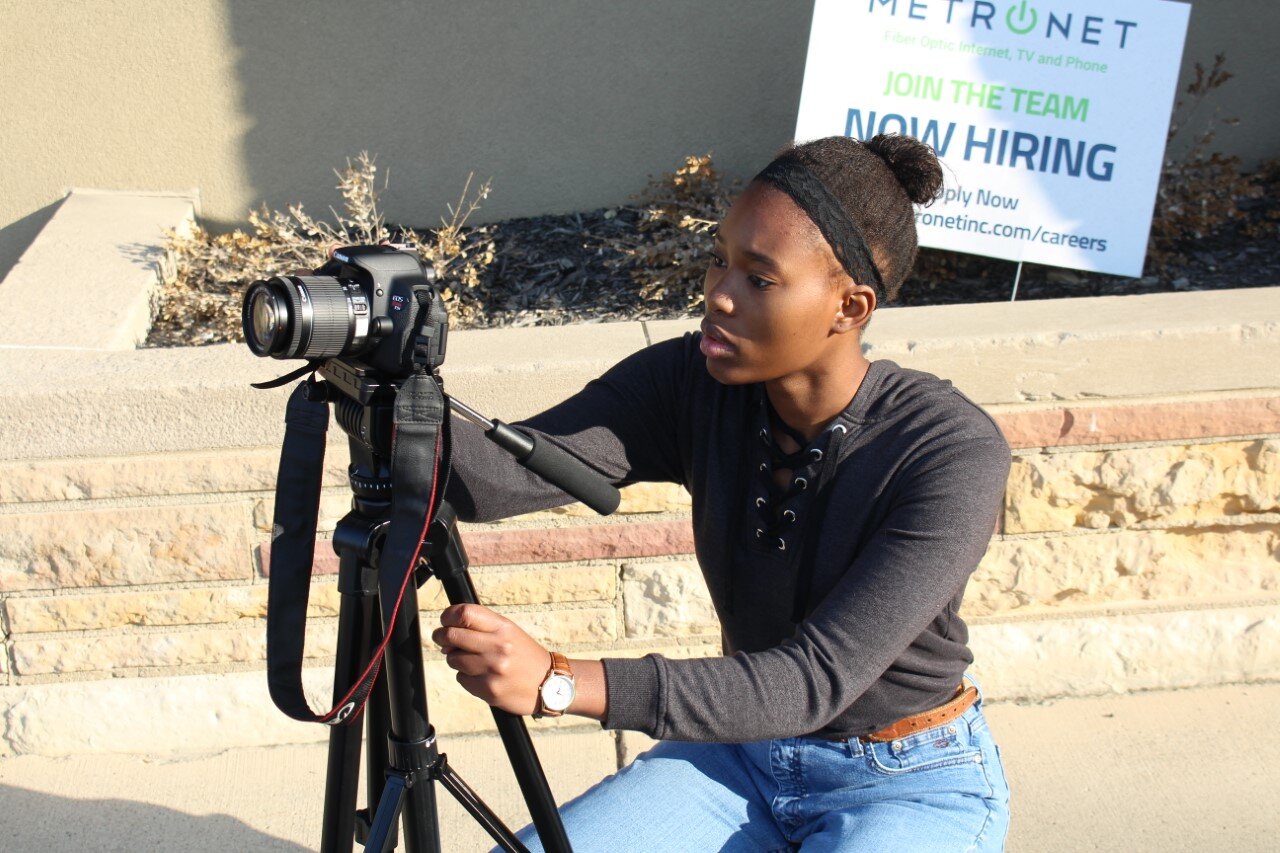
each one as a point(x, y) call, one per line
point(557, 467)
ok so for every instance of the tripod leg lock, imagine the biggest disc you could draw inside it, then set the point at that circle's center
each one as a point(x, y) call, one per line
point(412, 760)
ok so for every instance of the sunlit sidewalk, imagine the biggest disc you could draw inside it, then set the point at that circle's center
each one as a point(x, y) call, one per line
point(1192, 770)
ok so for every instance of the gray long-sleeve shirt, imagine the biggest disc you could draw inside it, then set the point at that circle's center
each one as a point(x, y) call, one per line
point(873, 542)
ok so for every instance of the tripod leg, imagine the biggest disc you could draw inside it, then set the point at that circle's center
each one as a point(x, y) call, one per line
point(357, 585)
point(404, 746)
point(411, 743)
point(382, 828)
point(449, 564)
point(430, 766)
point(378, 725)
point(476, 807)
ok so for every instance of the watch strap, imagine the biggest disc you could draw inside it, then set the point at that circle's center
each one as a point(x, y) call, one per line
point(559, 666)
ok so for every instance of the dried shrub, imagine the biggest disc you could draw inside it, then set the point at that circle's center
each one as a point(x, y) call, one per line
point(1263, 208)
point(1200, 192)
point(667, 256)
point(206, 274)
point(460, 255)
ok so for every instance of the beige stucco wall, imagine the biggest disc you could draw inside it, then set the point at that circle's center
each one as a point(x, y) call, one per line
point(567, 105)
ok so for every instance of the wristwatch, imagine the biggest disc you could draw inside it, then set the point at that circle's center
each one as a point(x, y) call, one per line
point(556, 692)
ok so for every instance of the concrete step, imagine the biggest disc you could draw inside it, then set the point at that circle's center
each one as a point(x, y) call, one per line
point(86, 281)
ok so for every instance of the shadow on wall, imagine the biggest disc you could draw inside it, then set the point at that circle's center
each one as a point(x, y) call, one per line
point(17, 236)
point(31, 820)
point(1245, 30)
point(573, 101)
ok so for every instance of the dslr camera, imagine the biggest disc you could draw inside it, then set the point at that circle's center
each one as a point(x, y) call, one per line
point(371, 305)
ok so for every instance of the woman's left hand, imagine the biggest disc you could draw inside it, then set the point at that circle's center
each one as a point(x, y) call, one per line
point(495, 659)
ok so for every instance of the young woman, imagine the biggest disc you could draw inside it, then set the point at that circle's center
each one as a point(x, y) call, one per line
point(839, 507)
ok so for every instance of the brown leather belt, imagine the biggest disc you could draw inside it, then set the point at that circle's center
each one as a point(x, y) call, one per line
point(934, 717)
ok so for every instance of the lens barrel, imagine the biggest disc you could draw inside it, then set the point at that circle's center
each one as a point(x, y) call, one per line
point(304, 317)
point(266, 317)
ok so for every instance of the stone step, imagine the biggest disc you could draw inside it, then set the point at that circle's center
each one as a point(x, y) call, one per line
point(1091, 654)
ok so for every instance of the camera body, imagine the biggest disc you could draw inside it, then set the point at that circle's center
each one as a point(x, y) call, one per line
point(375, 306)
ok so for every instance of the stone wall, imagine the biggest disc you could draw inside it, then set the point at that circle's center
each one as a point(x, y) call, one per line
point(1188, 516)
point(150, 569)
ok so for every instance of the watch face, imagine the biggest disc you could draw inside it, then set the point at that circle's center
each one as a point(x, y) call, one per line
point(557, 693)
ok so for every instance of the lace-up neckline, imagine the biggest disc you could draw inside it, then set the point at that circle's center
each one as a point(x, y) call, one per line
point(781, 458)
point(785, 519)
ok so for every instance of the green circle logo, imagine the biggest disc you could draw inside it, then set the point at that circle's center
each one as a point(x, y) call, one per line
point(1020, 19)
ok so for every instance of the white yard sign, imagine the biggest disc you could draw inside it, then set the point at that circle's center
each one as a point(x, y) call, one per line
point(1050, 116)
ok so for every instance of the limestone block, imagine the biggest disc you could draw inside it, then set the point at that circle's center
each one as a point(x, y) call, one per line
point(1117, 654)
point(1016, 660)
point(571, 543)
point(111, 609)
point(203, 472)
point(654, 497)
point(456, 711)
point(638, 498)
point(334, 504)
point(667, 599)
point(563, 627)
point(1188, 565)
point(452, 708)
point(1123, 487)
point(107, 246)
point(533, 585)
point(125, 545)
point(1073, 424)
point(554, 628)
point(169, 715)
point(137, 650)
point(176, 714)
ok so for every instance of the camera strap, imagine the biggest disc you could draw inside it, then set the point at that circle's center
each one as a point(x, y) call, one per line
point(309, 367)
point(417, 442)
point(293, 541)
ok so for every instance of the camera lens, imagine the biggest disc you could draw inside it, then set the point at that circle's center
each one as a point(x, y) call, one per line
point(305, 317)
point(266, 321)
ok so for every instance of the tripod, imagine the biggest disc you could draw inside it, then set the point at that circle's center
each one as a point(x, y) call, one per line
point(377, 303)
point(401, 780)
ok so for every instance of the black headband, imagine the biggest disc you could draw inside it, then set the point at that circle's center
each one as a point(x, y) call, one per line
point(807, 190)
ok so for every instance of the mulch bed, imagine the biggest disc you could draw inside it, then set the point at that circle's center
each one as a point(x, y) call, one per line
point(558, 269)
point(553, 270)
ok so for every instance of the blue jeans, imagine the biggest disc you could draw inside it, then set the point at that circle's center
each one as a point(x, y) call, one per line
point(939, 790)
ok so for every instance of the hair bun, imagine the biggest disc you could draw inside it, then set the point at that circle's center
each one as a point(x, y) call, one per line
point(913, 163)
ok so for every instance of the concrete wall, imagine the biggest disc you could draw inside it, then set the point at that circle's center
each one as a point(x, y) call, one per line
point(567, 105)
